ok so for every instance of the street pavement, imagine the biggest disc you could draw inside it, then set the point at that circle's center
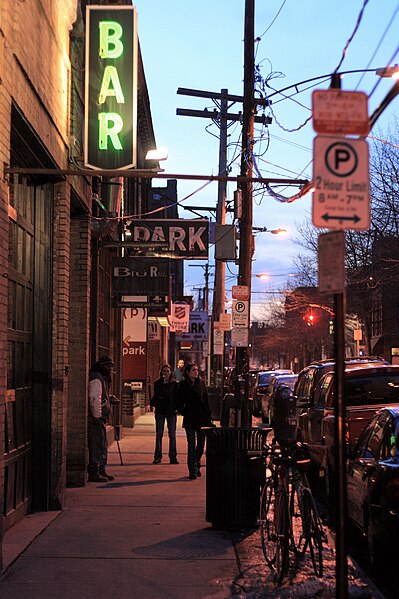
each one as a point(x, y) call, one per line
point(144, 535)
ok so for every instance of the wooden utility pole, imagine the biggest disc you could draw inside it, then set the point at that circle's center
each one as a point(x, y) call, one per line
point(220, 268)
point(246, 239)
point(223, 117)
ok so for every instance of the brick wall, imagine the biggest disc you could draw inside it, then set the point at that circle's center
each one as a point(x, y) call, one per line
point(61, 257)
point(79, 335)
point(5, 120)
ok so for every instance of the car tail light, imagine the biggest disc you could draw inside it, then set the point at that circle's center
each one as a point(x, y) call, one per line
point(391, 491)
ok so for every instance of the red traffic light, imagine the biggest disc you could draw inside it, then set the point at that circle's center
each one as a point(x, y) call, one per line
point(309, 319)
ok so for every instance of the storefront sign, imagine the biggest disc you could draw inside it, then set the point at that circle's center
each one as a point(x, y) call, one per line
point(134, 349)
point(179, 318)
point(131, 276)
point(199, 328)
point(111, 87)
point(185, 238)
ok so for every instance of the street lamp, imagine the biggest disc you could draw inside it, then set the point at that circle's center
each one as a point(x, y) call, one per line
point(272, 231)
point(392, 72)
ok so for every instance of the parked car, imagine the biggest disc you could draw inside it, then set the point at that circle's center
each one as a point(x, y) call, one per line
point(311, 374)
point(253, 389)
point(367, 389)
point(373, 484)
point(277, 382)
point(263, 389)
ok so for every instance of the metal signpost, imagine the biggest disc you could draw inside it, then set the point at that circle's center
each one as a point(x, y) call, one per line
point(340, 201)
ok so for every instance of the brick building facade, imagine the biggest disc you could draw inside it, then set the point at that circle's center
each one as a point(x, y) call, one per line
point(55, 292)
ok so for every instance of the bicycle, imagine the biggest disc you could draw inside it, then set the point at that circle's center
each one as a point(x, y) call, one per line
point(288, 518)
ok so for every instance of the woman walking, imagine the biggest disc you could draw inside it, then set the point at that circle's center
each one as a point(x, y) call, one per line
point(164, 402)
point(192, 403)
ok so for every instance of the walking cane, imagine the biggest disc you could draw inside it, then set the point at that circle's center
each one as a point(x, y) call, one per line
point(117, 426)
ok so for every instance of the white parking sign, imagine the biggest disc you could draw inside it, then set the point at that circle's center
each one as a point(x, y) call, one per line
point(341, 178)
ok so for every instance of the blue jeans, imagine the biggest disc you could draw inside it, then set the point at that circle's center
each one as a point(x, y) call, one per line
point(159, 427)
point(195, 449)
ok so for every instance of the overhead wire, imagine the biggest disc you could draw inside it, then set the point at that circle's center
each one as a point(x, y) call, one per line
point(349, 41)
point(379, 45)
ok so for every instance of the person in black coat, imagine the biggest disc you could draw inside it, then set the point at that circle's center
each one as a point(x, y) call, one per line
point(192, 404)
point(164, 402)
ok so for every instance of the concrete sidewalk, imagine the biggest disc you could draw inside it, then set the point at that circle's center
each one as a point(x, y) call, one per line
point(143, 535)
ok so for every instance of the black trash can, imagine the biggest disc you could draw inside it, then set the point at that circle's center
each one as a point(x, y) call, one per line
point(234, 477)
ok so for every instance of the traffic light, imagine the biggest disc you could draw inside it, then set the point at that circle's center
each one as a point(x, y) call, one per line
point(309, 319)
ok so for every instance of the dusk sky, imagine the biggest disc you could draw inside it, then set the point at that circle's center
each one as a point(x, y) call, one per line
point(199, 45)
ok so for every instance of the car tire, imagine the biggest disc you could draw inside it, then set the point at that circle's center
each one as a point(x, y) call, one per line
point(376, 553)
point(329, 493)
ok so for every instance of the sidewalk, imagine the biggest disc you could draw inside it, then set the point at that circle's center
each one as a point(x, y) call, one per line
point(144, 535)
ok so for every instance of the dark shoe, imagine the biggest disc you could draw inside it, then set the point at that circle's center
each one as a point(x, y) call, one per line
point(192, 477)
point(157, 461)
point(199, 473)
point(96, 478)
point(174, 461)
point(106, 475)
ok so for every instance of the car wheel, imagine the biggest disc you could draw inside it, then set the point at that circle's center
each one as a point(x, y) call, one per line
point(329, 492)
point(377, 555)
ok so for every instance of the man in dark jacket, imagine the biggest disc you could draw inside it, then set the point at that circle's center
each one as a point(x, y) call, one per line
point(99, 410)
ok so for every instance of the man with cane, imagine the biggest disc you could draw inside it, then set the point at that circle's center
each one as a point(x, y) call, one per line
point(99, 409)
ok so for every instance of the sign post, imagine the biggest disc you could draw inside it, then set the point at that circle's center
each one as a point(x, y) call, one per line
point(340, 201)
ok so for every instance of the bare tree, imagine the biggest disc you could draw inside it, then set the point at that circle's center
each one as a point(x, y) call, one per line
point(372, 256)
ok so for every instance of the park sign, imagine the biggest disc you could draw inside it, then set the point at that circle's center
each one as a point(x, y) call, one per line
point(111, 87)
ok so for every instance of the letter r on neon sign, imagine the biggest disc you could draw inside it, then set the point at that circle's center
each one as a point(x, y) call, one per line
point(110, 124)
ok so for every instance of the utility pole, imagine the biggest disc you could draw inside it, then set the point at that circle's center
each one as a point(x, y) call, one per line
point(220, 268)
point(246, 239)
point(223, 117)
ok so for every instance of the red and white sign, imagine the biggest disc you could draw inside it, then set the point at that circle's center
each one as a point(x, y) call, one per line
point(218, 342)
point(338, 112)
point(224, 321)
point(180, 317)
point(134, 350)
point(240, 292)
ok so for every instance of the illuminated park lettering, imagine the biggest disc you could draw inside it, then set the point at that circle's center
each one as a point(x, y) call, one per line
point(111, 87)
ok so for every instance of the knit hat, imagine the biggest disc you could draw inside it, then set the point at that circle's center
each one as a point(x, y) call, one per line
point(105, 361)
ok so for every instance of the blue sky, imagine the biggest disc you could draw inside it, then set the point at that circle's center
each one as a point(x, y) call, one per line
point(199, 45)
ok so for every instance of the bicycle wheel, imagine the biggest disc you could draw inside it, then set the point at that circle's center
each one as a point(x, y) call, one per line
point(268, 535)
point(283, 536)
point(297, 532)
point(313, 530)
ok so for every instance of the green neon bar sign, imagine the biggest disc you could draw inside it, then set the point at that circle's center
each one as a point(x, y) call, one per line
point(111, 87)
